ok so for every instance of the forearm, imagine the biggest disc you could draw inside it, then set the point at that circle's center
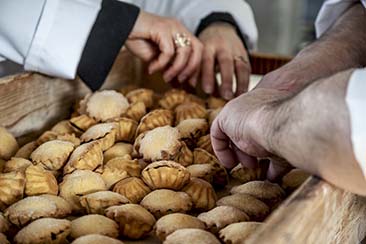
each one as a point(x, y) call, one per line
point(342, 47)
point(312, 131)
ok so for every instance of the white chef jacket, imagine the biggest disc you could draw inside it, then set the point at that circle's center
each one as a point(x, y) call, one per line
point(356, 90)
point(48, 36)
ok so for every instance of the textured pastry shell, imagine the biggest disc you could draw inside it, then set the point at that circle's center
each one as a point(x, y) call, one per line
point(146, 96)
point(26, 150)
point(104, 133)
point(119, 149)
point(136, 111)
point(237, 233)
point(16, 164)
point(98, 202)
point(133, 188)
point(11, 187)
point(40, 181)
point(293, 179)
point(215, 102)
point(93, 224)
point(202, 193)
point(244, 174)
point(154, 119)
point(96, 239)
point(8, 144)
point(82, 122)
point(189, 235)
point(184, 156)
point(204, 142)
point(126, 129)
point(189, 110)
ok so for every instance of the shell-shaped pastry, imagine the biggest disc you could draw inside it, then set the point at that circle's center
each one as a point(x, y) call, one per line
point(176, 221)
point(128, 88)
point(222, 216)
point(86, 156)
point(4, 224)
point(220, 177)
point(131, 166)
point(192, 129)
point(47, 136)
point(215, 102)
point(195, 99)
point(185, 156)
point(133, 188)
point(136, 111)
point(126, 129)
point(106, 105)
point(70, 138)
point(104, 133)
point(119, 149)
point(190, 235)
point(80, 104)
point(52, 155)
point(3, 239)
point(93, 224)
point(79, 183)
point(202, 171)
point(134, 221)
point(63, 207)
point(255, 208)
point(161, 143)
point(29, 209)
point(97, 202)
point(162, 202)
point(172, 98)
point(237, 233)
point(165, 174)
point(46, 230)
point(11, 187)
point(202, 193)
point(244, 174)
point(189, 110)
point(269, 193)
point(96, 239)
point(111, 175)
point(143, 95)
point(154, 119)
point(82, 122)
point(204, 142)
point(26, 150)
point(212, 114)
point(16, 164)
point(40, 181)
point(293, 179)
point(65, 127)
point(8, 144)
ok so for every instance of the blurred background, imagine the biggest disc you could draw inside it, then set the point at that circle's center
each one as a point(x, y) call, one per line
point(285, 26)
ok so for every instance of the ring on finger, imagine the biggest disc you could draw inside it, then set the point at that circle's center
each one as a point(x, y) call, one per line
point(182, 40)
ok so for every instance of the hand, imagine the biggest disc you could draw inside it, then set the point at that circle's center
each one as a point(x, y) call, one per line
point(221, 45)
point(241, 132)
point(152, 39)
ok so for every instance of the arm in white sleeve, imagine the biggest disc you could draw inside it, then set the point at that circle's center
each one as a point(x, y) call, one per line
point(192, 12)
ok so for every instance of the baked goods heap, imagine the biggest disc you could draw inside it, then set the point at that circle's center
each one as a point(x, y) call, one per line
point(129, 166)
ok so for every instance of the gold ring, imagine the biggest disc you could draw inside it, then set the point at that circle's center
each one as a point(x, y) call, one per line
point(182, 40)
point(241, 58)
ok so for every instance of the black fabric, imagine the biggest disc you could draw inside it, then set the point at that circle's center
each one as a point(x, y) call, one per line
point(220, 17)
point(111, 29)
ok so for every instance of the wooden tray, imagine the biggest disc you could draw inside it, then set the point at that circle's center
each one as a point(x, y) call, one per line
point(316, 213)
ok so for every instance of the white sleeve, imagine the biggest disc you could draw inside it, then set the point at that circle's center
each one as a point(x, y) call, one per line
point(191, 12)
point(47, 36)
point(356, 103)
point(330, 12)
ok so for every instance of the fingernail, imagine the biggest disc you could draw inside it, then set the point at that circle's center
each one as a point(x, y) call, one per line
point(228, 95)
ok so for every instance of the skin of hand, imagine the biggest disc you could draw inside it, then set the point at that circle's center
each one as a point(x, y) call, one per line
point(152, 39)
point(310, 129)
point(221, 45)
point(342, 47)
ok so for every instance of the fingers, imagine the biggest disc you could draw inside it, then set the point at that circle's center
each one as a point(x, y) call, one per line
point(277, 168)
point(221, 146)
point(245, 159)
point(194, 79)
point(226, 63)
point(180, 60)
point(167, 51)
point(242, 71)
point(194, 62)
point(208, 70)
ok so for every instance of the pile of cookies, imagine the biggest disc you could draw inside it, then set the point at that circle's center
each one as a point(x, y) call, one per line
point(128, 165)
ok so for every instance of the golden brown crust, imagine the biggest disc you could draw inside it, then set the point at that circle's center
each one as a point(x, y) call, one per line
point(4, 224)
point(136, 111)
point(8, 144)
point(184, 156)
point(162, 202)
point(172, 98)
point(106, 105)
point(3, 239)
point(96, 239)
point(40, 181)
point(146, 96)
point(47, 136)
point(256, 209)
point(46, 230)
point(63, 207)
point(293, 179)
point(215, 102)
point(26, 150)
point(176, 221)
point(82, 122)
point(126, 129)
point(134, 221)
point(202, 193)
point(104, 133)
point(202, 171)
point(196, 236)
point(52, 155)
point(93, 224)
point(222, 216)
point(154, 119)
point(11, 187)
point(16, 164)
point(165, 174)
point(237, 233)
point(87, 156)
point(133, 188)
point(131, 166)
point(244, 174)
point(98, 202)
point(204, 142)
point(189, 110)
point(191, 130)
point(119, 149)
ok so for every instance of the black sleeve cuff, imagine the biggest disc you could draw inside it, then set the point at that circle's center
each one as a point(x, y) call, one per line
point(111, 29)
point(220, 17)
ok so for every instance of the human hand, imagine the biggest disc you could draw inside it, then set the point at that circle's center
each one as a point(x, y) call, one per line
point(222, 46)
point(152, 39)
point(242, 131)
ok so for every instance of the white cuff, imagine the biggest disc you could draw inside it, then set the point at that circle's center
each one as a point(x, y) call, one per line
point(60, 37)
point(356, 102)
